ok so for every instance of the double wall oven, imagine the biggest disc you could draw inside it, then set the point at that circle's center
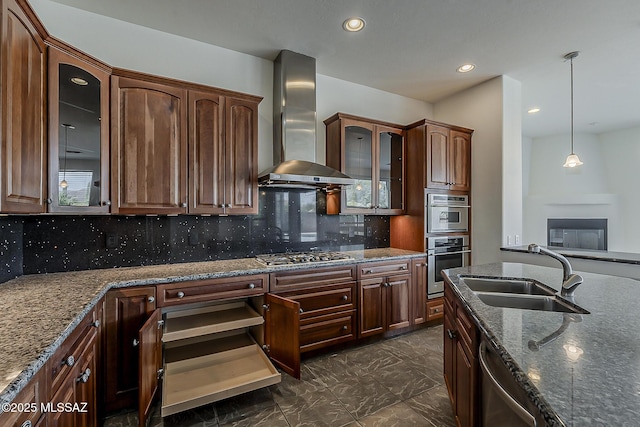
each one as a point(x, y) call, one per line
point(447, 238)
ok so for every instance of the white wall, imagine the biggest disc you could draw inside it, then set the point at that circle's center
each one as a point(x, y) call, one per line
point(480, 108)
point(125, 45)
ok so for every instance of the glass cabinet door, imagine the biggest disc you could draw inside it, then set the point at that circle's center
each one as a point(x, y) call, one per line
point(358, 165)
point(78, 136)
point(390, 170)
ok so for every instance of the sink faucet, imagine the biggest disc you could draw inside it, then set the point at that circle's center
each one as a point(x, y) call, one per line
point(570, 281)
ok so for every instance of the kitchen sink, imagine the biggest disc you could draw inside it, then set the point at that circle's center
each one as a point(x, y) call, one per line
point(529, 302)
point(510, 286)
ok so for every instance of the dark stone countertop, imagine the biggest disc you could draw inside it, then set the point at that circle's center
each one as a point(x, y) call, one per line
point(601, 387)
point(40, 310)
point(619, 257)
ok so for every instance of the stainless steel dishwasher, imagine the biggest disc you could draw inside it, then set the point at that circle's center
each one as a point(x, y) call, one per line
point(504, 403)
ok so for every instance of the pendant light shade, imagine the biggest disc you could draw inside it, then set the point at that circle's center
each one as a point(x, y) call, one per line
point(572, 159)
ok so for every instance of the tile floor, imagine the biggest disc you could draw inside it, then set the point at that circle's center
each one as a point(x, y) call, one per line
point(393, 382)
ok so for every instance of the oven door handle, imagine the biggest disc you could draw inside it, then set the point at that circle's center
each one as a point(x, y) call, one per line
point(450, 253)
point(449, 206)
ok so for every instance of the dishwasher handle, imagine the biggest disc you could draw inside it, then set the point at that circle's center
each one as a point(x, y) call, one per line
point(511, 403)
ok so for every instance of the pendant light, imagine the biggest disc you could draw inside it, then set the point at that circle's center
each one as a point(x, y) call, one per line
point(572, 159)
point(64, 183)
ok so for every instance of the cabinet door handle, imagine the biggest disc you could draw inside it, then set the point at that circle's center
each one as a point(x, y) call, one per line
point(151, 299)
point(84, 377)
point(386, 284)
point(106, 203)
point(180, 294)
point(69, 361)
point(301, 310)
point(135, 342)
point(228, 205)
point(183, 205)
point(27, 424)
point(404, 267)
point(344, 297)
point(252, 285)
point(452, 334)
point(96, 323)
point(49, 201)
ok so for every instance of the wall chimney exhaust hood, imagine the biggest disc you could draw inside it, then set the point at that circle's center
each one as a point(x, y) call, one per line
point(294, 127)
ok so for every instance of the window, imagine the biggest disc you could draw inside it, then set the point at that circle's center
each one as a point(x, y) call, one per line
point(78, 188)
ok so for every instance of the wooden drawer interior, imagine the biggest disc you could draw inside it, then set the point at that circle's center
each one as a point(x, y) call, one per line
point(191, 381)
point(208, 320)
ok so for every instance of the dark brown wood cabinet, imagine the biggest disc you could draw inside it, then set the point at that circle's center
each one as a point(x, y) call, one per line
point(79, 180)
point(34, 394)
point(373, 153)
point(148, 147)
point(385, 297)
point(461, 342)
point(223, 146)
point(327, 298)
point(23, 158)
point(126, 311)
point(419, 291)
point(448, 158)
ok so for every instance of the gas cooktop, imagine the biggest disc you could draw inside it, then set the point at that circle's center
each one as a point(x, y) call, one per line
point(301, 257)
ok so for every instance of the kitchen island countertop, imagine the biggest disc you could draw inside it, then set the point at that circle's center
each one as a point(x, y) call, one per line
point(600, 387)
point(40, 310)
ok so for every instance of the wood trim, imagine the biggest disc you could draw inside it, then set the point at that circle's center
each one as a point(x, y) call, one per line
point(70, 50)
point(151, 78)
point(343, 116)
point(425, 122)
point(33, 17)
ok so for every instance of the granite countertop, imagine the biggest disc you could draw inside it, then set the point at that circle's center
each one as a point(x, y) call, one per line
point(601, 387)
point(593, 255)
point(39, 311)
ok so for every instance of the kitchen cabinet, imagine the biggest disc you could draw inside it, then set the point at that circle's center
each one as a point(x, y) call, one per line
point(78, 132)
point(204, 340)
point(23, 111)
point(448, 158)
point(34, 394)
point(384, 297)
point(126, 311)
point(72, 374)
point(223, 146)
point(461, 342)
point(148, 147)
point(419, 291)
point(371, 152)
point(327, 298)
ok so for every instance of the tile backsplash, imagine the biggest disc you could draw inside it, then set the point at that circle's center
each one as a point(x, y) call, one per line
point(287, 221)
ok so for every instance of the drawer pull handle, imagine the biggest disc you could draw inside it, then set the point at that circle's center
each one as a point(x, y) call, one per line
point(84, 377)
point(27, 424)
point(345, 327)
point(180, 294)
point(451, 334)
point(96, 323)
point(135, 342)
point(404, 267)
point(301, 310)
point(151, 299)
point(386, 284)
point(436, 310)
point(344, 297)
point(368, 271)
point(252, 285)
point(69, 361)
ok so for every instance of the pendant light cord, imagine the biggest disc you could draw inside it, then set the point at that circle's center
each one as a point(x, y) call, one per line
point(571, 59)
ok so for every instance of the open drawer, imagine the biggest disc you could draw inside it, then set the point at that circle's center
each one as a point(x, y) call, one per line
point(208, 353)
point(205, 372)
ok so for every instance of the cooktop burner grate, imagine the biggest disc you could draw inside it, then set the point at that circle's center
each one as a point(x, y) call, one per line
point(301, 257)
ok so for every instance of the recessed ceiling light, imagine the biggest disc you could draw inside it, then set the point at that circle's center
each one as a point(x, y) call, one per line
point(534, 110)
point(79, 81)
point(465, 68)
point(354, 24)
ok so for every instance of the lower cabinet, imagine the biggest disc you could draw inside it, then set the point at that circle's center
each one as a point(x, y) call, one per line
point(385, 295)
point(461, 341)
point(33, 395)
point(221, 345)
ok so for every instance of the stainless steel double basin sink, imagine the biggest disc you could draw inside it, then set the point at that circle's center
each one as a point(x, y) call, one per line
point(524, 294)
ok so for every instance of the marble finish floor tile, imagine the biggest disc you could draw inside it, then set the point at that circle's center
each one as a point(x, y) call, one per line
point(398, 381)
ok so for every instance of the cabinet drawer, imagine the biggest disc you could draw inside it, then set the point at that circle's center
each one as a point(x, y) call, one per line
point(210, 289)
point(467, 330)
point(435, 308)
point(324, 300)
point(300, 279)
point(324, 331)
point(68, 354)
point(32, 395)
point(378, 269)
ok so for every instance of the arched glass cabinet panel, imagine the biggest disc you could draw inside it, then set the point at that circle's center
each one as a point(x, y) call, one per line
point(78, 135)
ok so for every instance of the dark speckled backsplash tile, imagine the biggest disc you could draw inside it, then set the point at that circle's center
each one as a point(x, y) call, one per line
point(288, 221)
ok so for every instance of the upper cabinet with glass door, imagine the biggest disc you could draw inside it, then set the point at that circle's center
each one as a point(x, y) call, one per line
point(372, 153)
point(78, 133)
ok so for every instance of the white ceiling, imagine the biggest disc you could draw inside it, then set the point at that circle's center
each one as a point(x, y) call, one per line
point(412, 47)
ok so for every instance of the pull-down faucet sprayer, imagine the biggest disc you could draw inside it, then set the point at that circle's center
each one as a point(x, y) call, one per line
point(570, 281)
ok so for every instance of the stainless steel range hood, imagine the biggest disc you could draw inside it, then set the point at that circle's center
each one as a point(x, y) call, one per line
point(294, 123)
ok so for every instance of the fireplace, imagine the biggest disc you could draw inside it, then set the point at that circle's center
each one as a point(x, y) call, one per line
point(577, 233)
